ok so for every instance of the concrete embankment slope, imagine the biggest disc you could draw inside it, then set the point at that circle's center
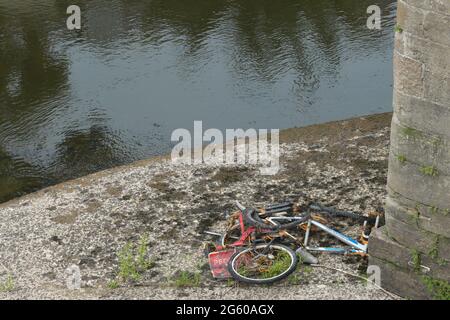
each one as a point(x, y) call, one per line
point(86, 222)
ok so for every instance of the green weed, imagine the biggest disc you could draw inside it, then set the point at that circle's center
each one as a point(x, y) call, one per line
point(187, 279)
point(8, 285)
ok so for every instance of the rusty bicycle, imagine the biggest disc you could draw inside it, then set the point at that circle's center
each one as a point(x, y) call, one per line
point(259, 248)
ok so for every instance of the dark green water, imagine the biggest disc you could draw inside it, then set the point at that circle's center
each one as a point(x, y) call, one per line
point(76, 102)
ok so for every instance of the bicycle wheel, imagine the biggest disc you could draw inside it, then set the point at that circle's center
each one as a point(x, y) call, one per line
point(262, 263)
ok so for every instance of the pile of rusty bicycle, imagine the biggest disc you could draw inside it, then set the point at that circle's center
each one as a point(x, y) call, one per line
point(263, 245)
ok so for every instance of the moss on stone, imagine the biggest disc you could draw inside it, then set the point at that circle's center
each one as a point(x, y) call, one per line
point(429, 171)
point(398, 29)
point(416, 260)
point(410, 132)
point(434, 251)
point(401, 158)
point(439, 289)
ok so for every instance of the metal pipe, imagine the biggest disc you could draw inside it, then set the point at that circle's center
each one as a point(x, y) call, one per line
point(308, 229)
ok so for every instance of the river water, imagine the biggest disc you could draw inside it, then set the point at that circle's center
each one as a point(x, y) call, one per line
point(75, 102)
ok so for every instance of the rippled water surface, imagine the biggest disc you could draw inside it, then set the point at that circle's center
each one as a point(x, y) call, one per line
point(74, 102)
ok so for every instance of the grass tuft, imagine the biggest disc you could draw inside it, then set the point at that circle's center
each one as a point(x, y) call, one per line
point(133, 262)
point(280, 265)
point(113, 284)
point(8, 285)
point(187, 279)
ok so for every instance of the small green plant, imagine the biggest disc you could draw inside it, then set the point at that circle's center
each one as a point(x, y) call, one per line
point(294, 279)
point(8, 285)
point(279, 265)
point(401, 158)
point(133, 260)
point(434, 251)
point(187, 279)
point(416, 260)
point(363, 277)
point(113, 284)
point(440, 289)
point(127, 264)
point(398, 29)
point(442, 262)
point(243, 271)
point(307, 269)
point(231, 283)
point(142, 251)
point(429, 171)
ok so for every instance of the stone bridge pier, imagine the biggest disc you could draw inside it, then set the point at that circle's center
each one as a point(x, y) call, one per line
point(413, 249)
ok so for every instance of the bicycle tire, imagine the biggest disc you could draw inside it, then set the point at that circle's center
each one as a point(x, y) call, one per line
point(235, 274)
point(252, 217)
point(294, 224)
point(338, 213)
point(282, 205)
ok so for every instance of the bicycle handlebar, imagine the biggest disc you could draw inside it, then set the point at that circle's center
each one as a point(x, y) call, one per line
point(239, 205)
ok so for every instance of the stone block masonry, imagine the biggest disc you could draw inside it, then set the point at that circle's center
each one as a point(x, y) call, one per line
point(413, 249)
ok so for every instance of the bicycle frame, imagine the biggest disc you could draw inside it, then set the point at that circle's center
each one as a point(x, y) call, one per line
point(357, 247)
point(245, 234)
